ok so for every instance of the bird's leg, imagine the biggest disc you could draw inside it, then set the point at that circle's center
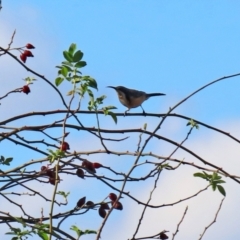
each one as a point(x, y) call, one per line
point(143, 111)
point(126, 112)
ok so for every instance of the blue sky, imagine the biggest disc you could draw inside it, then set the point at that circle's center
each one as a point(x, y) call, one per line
point(173, 47)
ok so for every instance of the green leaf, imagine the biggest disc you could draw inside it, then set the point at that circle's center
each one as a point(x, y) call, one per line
point(77, 56)
point(82, 89)
point(8, 160)
point(67, 64)
point(113, 115)
point(221, 190)
point(29, 80)
point(55, 155)
point(67, 56)
point(162, 166)
point(90, 93)
point(5, 161)
point(63, 193)
point(72, 49)
point(80, 64)
point(193, 124)
point(43, 235)
point(215, 176)
point(70, 93)
point(201, 175)
point(68, 68)
point(91, 81)
point(64, 71)
point(90, 232)
point(214, 186)
point(100, 99)
point(42, 226)
point(14, 231)
point(76, 79)
point(69, 78)
point(77, 230)
point(58, 81)
point(219, 181)
point(110, 107)
point(209, 176)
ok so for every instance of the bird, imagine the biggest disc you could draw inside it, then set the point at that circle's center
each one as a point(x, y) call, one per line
point(132, 98)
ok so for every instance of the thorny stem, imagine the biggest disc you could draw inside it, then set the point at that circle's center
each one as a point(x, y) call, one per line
point(177, 230)
point(145, 207)
point(214, 220)
point(57, 165)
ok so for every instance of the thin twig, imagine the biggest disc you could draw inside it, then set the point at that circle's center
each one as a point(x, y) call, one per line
point(145, 207)
point(177, 230)
point(214, 220)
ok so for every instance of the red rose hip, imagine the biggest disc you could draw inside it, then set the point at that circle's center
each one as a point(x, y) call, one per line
point(65, 146)
point(23, 57)
point(112, 196)
point(26, 89)
point(28, 53)
point(97, 165)
point(30, 46)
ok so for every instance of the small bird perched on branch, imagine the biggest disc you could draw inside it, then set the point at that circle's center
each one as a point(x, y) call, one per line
point(131, 98)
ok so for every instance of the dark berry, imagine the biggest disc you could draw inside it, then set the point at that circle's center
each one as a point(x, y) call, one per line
point(89, 166)
point(102, 213)
point(112, 196)
point(65, 146)
point(90, 204)
point(23, 57)
point(52, 181)
point(80, 173)
point(30, 46)
point(105, 206)
point(81, 202)
point(28, 53)
point(43, 168)
point(26, 89)
point(117, 205)
point(50, 173)
point(163, 236)
point(97, 165)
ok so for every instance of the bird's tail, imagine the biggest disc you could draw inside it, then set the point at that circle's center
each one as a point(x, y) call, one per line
point(154, 94)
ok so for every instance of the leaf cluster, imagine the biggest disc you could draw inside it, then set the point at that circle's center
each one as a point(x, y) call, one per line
point(70, 71)
point(5, 161)
point(214, 179)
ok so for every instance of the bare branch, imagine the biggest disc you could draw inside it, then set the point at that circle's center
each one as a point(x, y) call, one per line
point(214, 220)
point(177, 230)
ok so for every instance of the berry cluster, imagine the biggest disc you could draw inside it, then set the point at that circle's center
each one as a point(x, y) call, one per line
point(89, 166)
point(104, 206)
point(26, 53)
point(51, 174)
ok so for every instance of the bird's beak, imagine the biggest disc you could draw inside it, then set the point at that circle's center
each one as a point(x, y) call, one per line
point(111, 87)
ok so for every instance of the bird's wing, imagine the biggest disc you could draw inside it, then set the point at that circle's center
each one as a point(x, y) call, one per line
point(136, 93)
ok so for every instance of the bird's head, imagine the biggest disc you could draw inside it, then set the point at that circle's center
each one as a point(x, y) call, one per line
point(111, 87)
point(121, 91)
point(119, 88)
